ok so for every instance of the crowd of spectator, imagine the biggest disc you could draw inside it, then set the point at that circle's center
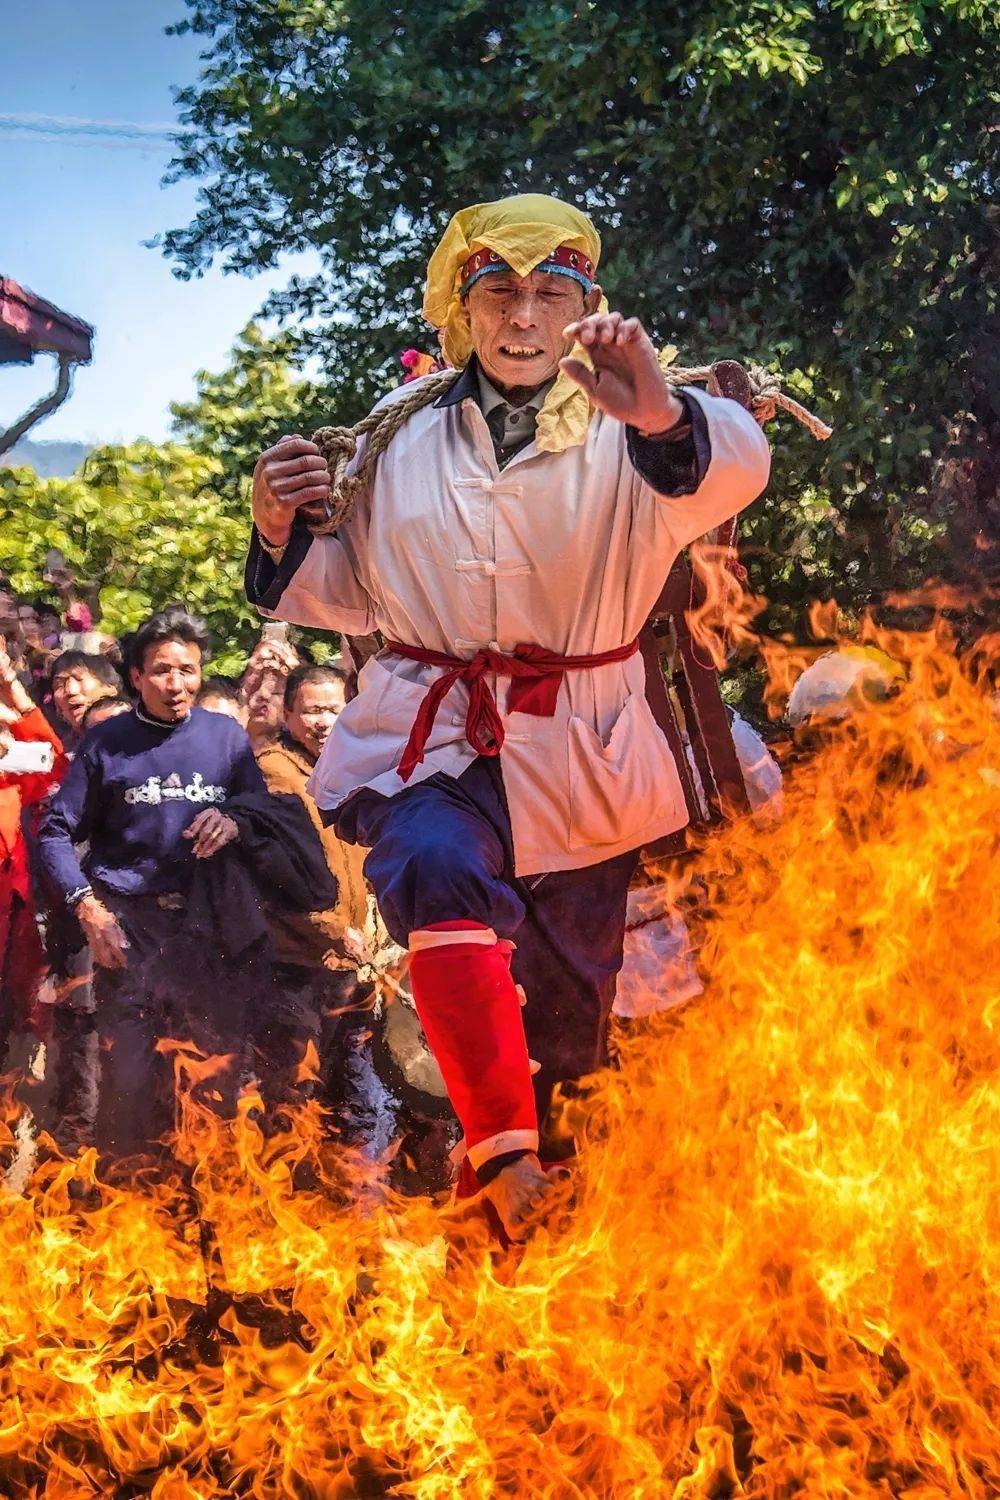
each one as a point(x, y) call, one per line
point(165, 878)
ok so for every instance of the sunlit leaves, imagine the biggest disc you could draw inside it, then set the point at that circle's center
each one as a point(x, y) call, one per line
point(170, 522)
point(149, 524)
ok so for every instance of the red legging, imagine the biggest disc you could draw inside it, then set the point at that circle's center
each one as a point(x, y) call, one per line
point(471, 1013)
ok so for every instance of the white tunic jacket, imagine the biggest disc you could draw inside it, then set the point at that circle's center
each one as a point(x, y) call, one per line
point(565, 550)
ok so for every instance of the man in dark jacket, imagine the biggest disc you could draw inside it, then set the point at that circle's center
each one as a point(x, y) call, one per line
point(145, 791)
point(317, 998)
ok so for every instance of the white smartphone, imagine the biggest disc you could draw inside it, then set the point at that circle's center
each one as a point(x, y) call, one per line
point(26, 757)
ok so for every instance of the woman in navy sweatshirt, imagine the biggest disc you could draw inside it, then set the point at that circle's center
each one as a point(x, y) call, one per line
point(144, 793)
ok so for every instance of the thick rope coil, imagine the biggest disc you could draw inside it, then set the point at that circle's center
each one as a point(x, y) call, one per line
point(758, 389)
point(765, 396)
point(338, 445)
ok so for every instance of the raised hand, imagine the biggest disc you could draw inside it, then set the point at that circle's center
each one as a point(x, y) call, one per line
point(14, 696)
point(626, 380)
point(288, 476)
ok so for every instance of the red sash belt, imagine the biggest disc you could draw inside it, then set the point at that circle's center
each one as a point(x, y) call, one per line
point(535, 673)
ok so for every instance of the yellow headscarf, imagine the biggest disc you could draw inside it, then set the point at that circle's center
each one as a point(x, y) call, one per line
point(523, 230)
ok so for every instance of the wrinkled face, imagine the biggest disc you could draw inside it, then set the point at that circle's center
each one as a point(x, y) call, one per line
point(168, 679)
point(217, 704)
point(314, 713)
point(517, 324)
point(74, 691)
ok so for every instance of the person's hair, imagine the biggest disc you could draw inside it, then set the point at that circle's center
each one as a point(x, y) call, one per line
point(174, 623)
point(86, 661)
point(113, 700)
point(220, 687)
point(69, 661)
point(301, 676)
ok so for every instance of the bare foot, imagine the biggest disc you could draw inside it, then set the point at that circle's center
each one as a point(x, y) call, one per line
point(522, 1194)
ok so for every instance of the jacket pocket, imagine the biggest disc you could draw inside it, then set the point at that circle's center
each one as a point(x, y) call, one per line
point(398, 703)
point(620, 787)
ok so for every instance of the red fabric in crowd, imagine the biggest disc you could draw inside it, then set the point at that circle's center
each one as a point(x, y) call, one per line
point(20, 946)
point(535, 677)
point(21, 962)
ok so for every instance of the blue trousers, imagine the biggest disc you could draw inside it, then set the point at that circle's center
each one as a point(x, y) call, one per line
point(442, 851)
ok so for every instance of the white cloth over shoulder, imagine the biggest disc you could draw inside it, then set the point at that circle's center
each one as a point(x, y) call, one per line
point(564, 550)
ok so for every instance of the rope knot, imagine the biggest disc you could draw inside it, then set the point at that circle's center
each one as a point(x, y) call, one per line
point(337, 444)
point(765, 389)
point(769, 399)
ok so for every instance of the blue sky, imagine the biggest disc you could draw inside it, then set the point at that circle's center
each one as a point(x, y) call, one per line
point(75, 208)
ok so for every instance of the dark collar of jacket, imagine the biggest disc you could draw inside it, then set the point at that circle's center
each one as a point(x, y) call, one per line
point(466, 386)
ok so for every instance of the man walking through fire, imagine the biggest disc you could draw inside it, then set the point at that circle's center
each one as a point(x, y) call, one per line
point(500, 761)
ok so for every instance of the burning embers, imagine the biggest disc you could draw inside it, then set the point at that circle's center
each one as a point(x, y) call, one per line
point(781, 1277)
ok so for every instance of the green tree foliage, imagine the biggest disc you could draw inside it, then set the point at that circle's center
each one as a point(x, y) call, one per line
point(153, 523)
point(246, 407)
point(809, 185)
point(147, 523)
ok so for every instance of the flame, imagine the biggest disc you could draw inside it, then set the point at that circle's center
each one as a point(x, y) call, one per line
point(722, 610)
point(780, 1276)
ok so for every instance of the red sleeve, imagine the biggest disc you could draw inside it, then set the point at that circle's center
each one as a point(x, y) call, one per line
point(37, 785)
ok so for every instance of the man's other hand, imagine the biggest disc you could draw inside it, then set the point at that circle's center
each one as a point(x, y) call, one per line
point(288, 476)
point(211, 831)
point(626, 380)
point(108, 943)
